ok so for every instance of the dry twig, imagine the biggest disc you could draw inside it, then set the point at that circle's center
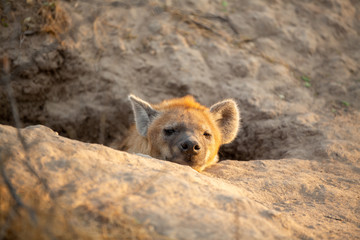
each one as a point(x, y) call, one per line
point(15, 111)
point(7, 181)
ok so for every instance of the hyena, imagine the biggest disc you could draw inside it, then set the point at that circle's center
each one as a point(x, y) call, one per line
point(182, 130)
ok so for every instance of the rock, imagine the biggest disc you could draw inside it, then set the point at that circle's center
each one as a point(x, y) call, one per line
point(98, 187)
point(49, 60)
point(174, 200)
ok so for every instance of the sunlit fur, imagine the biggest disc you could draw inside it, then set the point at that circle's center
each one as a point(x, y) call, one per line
point(186, 112)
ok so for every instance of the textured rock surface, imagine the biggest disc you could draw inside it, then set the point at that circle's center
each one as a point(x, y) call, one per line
point(96, 185)
point(172, 200)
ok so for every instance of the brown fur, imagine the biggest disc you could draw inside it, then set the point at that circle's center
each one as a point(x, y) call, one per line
point(188, 120)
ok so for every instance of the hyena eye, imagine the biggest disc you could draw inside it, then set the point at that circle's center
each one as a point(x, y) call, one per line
point(169, 131)
point(207, 134)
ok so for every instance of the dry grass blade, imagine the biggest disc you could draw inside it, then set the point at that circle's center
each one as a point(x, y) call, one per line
point(13, 193)
point(222, 19)
point(18, 201)
point(56, 20)
point(198, 22)
point(15, 112)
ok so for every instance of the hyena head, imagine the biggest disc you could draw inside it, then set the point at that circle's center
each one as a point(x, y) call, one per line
point(183, 131)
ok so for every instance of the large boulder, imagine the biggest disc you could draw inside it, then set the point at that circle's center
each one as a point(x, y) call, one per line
point(69, 189)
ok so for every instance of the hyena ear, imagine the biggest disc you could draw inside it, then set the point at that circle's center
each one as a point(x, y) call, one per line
point(227, 117)
point(144, 114)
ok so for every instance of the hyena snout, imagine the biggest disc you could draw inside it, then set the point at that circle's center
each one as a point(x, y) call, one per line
point(189, 147)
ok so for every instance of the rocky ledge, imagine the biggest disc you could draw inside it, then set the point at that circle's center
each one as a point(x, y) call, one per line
point(65, 188)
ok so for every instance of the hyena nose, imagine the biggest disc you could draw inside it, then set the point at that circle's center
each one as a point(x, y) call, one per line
point(190, 147)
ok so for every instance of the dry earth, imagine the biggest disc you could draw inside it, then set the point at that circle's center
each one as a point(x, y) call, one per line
point(292, 66)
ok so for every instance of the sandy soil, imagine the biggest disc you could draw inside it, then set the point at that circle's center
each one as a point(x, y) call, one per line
point(292, 66)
